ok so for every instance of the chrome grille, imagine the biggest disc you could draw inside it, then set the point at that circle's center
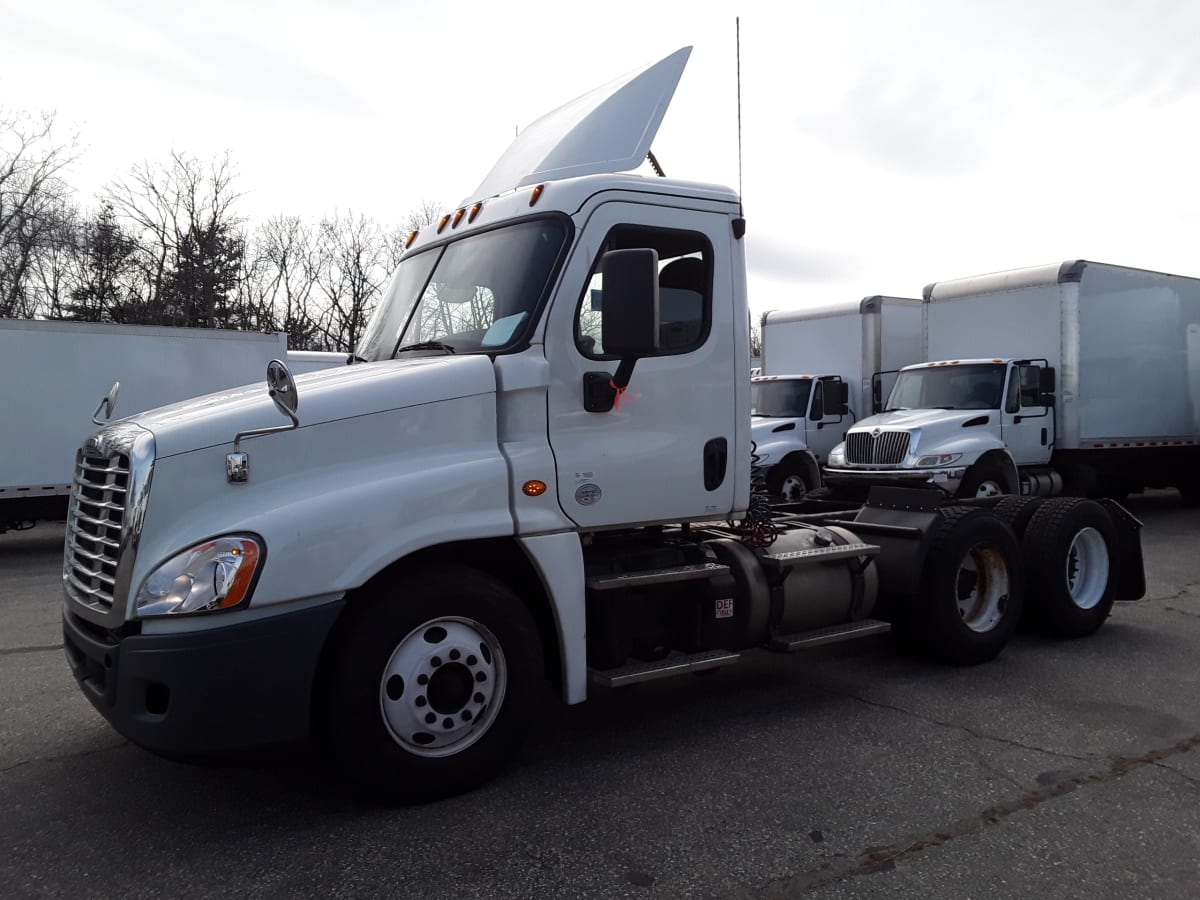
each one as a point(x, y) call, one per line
point(94, 527)
point(888, 448)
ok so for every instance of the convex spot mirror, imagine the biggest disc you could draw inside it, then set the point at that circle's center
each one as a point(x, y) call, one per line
point(282, 388)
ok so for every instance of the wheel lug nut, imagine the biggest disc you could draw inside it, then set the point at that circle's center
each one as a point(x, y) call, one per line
point(480, 676)
point(436, 661)
point(447, 722)
point(454, 654)
point(430, 718)
point(421, 701)
point(471, 660)
point(478, 698)
point(422, 679)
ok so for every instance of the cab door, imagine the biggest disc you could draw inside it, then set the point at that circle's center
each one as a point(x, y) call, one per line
point(665, 451)
point(1026, 423)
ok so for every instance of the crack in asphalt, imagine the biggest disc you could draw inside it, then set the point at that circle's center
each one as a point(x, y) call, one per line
point(45, 648)
point(79, 755)
point(1195, 782)
point(956, 726)
point(884, 859)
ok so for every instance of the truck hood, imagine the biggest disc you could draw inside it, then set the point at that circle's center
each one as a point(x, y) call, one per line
point(763, 428)
point(910, 419)
point(328, 395)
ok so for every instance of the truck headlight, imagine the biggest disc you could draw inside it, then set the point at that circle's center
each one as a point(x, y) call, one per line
point(760, 458)
point(214, 575)
point(837, 456)
point(938, 459)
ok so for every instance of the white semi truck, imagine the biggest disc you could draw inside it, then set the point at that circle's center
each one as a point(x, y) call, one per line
point(1078, 378)
point(824, 368)
point(53, 369)
point(539, 471)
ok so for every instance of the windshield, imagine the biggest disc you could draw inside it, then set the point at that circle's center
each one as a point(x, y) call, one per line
point(476, 294)
point(948, 387)
point(780, 399)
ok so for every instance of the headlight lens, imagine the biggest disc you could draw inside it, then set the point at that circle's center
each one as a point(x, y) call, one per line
point(938, 459)
point(211, 576)
point(837, 456)
point(760, 458)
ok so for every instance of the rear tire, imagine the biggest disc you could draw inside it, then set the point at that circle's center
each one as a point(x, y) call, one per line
point(431, 685)
point(972, 588)
point(1071, 557)
point(1015, 512)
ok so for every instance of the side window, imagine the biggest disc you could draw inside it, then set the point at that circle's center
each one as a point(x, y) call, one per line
point(818, 403)
point(684, 290)
point(1031, 392)
point(1012, 400)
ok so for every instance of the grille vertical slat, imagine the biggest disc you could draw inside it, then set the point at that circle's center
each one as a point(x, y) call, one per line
point(888, 448)
point(94, 528)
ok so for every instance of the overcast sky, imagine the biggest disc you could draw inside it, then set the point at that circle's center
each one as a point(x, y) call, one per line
point(884, 144)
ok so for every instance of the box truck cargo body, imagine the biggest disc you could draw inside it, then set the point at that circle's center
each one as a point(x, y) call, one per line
point(1095, 387)
point(812, 358)
point(56, 372)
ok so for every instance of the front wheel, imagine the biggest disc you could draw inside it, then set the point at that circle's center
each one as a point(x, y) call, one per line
point(789, 482)
point(431, 685)
point(985, 480)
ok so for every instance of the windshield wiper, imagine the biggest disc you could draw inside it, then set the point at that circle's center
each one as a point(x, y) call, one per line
point(426, 345)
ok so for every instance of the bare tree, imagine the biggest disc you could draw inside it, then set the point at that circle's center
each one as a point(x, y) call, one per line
point(187, 245)
point(281, 269)
point(33, 203)
point(353, 269)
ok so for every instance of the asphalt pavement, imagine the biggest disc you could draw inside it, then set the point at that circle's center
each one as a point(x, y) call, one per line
point(1062, 769)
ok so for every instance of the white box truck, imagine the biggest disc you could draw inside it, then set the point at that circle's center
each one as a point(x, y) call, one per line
point(824, 368)
point(540, 471)
point(1077, 377)
point(55, 372)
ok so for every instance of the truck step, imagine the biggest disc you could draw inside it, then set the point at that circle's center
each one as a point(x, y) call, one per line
point(688, 572)
point(831, 553)
point(663, 668)
point(805, 640)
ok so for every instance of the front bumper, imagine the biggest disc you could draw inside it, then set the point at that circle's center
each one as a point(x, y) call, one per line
point(204, 693)
point(946, 479)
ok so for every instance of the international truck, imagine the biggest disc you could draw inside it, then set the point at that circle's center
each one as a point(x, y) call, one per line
point(539, 470)
point(1077, 377)
point(825, 367)
point(44, 364)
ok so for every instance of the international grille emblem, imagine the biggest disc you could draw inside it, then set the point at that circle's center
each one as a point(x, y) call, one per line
point(875, 432)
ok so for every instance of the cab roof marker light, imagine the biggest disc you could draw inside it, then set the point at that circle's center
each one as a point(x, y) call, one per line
point(536, 194)
point(474, 212)
point(442, 223)
point(411, 237)
point(458, 218)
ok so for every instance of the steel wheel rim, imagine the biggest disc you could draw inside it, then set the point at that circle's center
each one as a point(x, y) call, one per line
point(981, 588)
point(988, 489)
point(1087, 568)
point(793, 488)
point(442, 686)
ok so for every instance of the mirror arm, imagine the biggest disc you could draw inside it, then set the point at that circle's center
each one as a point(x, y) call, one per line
point(237, 438)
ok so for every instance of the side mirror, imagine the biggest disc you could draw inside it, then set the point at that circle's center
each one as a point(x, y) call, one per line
point(107, 405)
point(631, 317)
point(1047, 381)
point(282, 388)
point(630, 327)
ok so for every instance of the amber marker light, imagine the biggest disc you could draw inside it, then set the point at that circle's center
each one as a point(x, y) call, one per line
point(458, 218)
point(474, 212)
point(537, 194)
point(412, 237)
point(442, 223)
point(534, 488)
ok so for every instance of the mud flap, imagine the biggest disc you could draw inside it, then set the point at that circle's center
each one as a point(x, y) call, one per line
point(1132, 584)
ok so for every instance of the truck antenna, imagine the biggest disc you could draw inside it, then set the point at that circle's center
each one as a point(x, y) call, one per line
point(737, 23)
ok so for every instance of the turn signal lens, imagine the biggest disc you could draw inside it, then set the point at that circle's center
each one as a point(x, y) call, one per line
point(534, 488)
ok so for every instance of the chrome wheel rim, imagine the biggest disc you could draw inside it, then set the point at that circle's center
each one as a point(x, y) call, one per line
point(981, 588)
point(1087, 568)
point(442, 687)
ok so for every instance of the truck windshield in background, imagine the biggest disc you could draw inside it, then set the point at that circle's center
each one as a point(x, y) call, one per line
point(976, 386)
point(478, 294)
point(780, 399)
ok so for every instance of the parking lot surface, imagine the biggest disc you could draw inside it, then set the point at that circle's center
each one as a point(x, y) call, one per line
point(1062, 769)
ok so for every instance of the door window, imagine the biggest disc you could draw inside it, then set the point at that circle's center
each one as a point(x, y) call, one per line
point(684, 290)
